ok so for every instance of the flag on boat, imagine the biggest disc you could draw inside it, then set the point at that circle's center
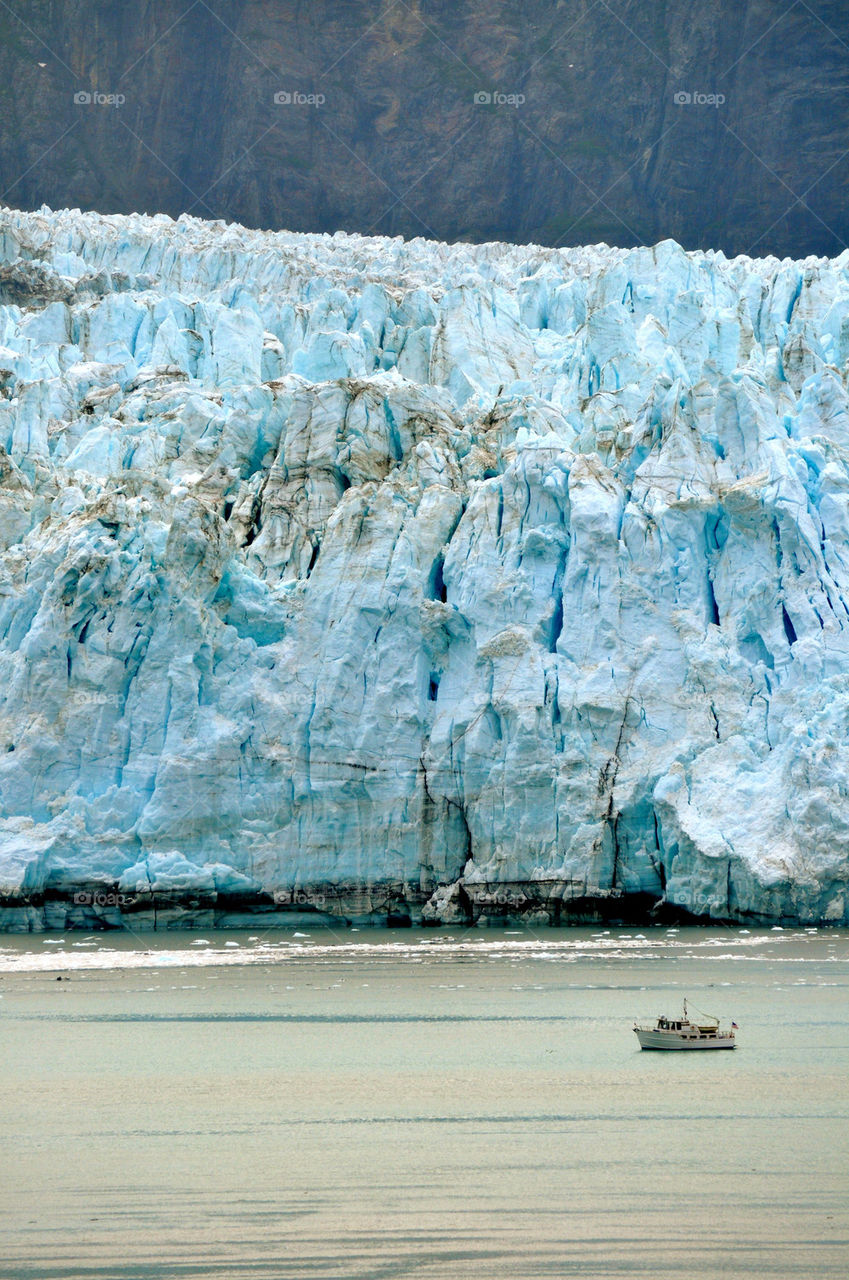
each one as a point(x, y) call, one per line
point(734, 1024)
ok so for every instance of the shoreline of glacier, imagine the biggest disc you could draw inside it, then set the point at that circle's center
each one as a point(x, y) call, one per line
point(497, 906)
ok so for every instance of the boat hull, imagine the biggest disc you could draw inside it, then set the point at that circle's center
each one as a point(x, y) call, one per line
point(672, 1040)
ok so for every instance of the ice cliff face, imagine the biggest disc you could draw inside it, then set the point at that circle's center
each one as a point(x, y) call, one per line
point(401, 578)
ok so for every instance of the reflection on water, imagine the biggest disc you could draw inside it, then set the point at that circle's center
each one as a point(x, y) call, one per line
point(367, 1105)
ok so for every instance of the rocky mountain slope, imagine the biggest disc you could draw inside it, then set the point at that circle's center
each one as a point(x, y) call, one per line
point(405, 579)
point(387, 137)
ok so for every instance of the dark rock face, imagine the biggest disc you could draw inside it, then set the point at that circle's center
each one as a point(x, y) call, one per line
point(582, 141)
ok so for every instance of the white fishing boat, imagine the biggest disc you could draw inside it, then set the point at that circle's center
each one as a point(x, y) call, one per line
point(682, 1033)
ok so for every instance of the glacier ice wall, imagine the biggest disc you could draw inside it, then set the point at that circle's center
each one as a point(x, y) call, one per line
point(418, 579)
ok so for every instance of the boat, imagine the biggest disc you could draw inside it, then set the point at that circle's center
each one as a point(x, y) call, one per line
point(682, 1033)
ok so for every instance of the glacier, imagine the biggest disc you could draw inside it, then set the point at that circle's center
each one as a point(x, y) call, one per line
point(368, 579)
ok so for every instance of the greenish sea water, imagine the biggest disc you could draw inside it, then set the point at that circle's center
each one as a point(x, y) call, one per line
point(371, 1105)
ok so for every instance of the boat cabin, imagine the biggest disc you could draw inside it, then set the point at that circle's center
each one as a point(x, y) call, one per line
point(664, 1024)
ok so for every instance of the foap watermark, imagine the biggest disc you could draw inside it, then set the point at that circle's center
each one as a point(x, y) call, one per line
point(83, 899)
point(82, 98)
point(298, 898)
point(483, 98)
point(82, 697)
point(296, 99)
point(685, 99)
point(497, 897)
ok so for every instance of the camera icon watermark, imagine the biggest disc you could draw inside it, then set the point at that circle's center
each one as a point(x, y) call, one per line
point(684, 99)
point(82, 98)
point(295, 99)
point(483, 98)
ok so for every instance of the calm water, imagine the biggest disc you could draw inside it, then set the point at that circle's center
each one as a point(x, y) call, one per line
point(353, 1105)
